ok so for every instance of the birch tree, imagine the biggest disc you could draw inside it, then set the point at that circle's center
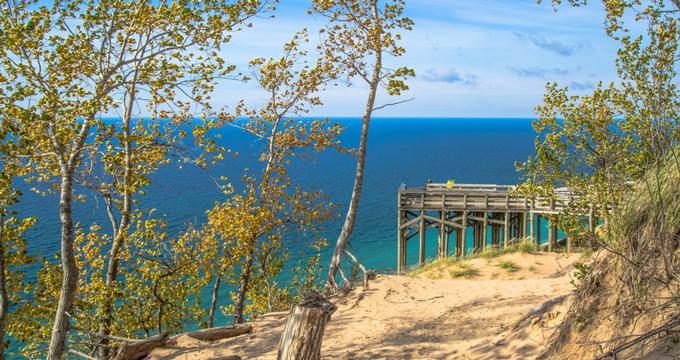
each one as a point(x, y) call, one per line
point(66, 65)
point(359, 37)
point(254, 222)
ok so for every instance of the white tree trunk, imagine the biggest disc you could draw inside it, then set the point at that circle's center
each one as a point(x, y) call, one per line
point(4, 301)
point(350, 218)
point(70, 270)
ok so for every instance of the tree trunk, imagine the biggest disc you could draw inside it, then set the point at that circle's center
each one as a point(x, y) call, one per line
point(213, 302)
point(303, 334)
point(119, 234)
point(4, 301)
point(244, 281)
point(350, 218)
point(69, 268)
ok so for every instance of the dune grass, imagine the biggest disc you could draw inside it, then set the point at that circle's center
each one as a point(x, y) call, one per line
point(437, 265)
point(525, 246)
point(463, 270)
point(509, 266)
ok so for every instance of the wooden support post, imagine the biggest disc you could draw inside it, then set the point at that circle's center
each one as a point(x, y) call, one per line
point(485, 229)
point(441, 236)
point(551, 236)
point(447, 240)
point(478, 226)
point(463, 243)
point(400, 241)
point(494, 232)
point(538, 230)
point(421, 235)
point(591, 220)
point(532, 237)
point(553, 229)
point(458, 242)
point(524, 225)
point(569, 244)
point(497, 235)
point(475, 235)
point(506, 230)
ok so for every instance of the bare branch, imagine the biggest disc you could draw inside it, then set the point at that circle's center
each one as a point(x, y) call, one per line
point(392, 104)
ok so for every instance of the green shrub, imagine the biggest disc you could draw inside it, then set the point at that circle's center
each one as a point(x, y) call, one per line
point(463, 270)
point(509, 266)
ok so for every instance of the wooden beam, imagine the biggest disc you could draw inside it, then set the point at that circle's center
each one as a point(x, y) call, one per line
point(481, 218)
point(447, 238)
point(411, 222)
point(441, 235)
point(463, 244)
point(484, 230)
point(476, 238)
point(421, 234)
point(506, 230)
point(538, 229)
point(440, 221)
point(551, 238)
point(531, 227)
point(410, 236)
point(400, 241)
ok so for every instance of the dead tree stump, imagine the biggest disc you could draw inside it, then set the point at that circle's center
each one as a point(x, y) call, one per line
point(303, 333)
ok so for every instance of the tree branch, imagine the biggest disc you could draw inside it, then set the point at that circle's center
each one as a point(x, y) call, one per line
point(396, 102)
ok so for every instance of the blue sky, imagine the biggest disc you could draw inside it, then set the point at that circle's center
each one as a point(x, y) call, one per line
point(479, 58)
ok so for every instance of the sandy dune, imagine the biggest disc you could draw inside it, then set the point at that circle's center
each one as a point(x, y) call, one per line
point(401, 317)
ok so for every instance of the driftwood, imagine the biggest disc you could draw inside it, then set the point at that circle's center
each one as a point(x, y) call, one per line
point(139, 349)
point(303, 334)
point(219, 333)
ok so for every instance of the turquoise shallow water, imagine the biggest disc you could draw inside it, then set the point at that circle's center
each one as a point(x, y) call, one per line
point(400, 150)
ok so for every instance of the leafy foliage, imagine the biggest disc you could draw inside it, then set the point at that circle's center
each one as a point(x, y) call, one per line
point(252, 224)
point(597, 144)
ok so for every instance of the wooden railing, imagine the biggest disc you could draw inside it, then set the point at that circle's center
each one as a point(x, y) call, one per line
point(482, 197)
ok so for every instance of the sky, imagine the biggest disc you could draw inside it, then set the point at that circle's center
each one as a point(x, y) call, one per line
point(480, 58)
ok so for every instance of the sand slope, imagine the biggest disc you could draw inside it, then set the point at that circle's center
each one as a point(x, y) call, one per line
point(401, 317)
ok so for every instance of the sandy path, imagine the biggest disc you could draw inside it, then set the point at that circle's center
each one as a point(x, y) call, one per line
point(402, 317)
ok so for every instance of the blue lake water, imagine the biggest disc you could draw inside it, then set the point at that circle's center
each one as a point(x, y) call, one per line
point(400, 150)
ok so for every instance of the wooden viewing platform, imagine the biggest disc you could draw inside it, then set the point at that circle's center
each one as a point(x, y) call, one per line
point(453, 208)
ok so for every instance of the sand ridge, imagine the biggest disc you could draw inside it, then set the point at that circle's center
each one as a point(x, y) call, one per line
point(415, 317)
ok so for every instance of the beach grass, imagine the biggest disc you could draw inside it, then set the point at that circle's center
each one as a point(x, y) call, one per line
point(509, 266)
point(434, 266)
point(463, 270)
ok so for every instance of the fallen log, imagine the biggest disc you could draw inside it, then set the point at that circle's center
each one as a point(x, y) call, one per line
point(303, 334)
point(139, 349)
point(220, 333)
